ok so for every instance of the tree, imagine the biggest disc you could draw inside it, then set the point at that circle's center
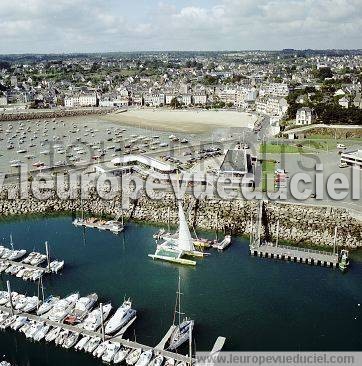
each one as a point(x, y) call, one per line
point(175, 104)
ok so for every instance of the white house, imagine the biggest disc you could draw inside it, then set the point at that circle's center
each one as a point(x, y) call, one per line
point(200, 98)
point(187, 99)
point(3, 100)
point(304, 116)
point(344, 102)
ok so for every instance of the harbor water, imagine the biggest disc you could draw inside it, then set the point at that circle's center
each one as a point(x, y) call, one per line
point(256, 303)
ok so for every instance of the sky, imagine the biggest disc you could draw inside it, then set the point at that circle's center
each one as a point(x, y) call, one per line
point(63, 26)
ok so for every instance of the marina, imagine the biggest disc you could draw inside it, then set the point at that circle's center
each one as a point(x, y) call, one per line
point(121, 263)
point(28, 268)
point(68, 335)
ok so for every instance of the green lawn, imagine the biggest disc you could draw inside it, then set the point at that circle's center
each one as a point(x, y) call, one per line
point(280, 149)
point(267, 179)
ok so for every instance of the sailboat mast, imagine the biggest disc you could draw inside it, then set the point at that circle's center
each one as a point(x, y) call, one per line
point(179, 299)
point(190, 345)
point(335, 240)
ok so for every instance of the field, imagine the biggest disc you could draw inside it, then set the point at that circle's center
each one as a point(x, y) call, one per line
point(268, 169)
point(280, 149)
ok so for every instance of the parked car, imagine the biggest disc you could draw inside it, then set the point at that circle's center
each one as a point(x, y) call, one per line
point(341, 146)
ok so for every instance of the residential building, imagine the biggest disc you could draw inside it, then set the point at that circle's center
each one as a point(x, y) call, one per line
point(3, 100)
point(81, 100)
point(200, 98)
point(304, 116)
point(344, 102)
point(187, 99)
point(357, 101)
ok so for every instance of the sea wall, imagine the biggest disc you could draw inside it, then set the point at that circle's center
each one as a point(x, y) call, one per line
point(49, 114)
point(298, 223)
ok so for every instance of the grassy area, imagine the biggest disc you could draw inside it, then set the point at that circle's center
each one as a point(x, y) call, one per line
point(267, 179)
point(280, 149)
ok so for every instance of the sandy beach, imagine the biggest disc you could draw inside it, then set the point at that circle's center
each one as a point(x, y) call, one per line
point(182, 121)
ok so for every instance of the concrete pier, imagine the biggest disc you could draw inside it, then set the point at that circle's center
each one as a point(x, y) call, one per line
point(294, 254)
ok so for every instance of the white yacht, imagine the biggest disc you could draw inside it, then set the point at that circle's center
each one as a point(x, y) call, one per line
point(53, 334)
point(110, 352)
point(62, 308)
point(93, 320)
point(157, 361)
point(16, 254)
point(32, 303)
point(92, 344)
point(47, 305)
point(133, 356)
point(121, 355)
point(82, 343)
point(81, 309)
point(20, 321)
point(121, 317)
point(145, 358)
point(41, 333)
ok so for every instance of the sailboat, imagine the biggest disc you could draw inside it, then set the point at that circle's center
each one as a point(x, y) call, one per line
point(173, 249)
point(183, 330)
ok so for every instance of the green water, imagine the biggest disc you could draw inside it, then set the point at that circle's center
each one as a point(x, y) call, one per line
point(257, 304)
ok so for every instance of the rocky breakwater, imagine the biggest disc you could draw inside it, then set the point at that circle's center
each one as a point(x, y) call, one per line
point(49, 114)
point(297, 223)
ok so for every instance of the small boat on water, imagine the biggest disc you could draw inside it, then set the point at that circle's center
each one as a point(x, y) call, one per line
point(121, 355)
point(82, 343)
point(343, 260)
point(71, 340)
point(32, 303)
point(93, 320)
point(223, 244)
point(92, 344)
point(133, 356)
point(62, 308)
point(53, 334)
point(157, 361)
point(81, 309)
point(47, 305)
point(145, 358)
point(56, 266)
point(16, 254)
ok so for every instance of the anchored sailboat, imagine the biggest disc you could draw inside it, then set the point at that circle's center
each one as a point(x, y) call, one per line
point(174, 248)
point(183, 330)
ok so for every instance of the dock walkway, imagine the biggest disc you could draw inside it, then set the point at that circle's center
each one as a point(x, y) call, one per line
point(24, 265)
point(294, 254)
point(127, 343)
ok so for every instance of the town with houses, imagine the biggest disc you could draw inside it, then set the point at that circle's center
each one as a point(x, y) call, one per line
point(291, 87)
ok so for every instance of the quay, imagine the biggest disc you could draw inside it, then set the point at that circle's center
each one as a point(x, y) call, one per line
point(126, 343)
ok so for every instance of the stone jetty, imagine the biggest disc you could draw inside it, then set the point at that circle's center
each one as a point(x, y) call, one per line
point(49, 113)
